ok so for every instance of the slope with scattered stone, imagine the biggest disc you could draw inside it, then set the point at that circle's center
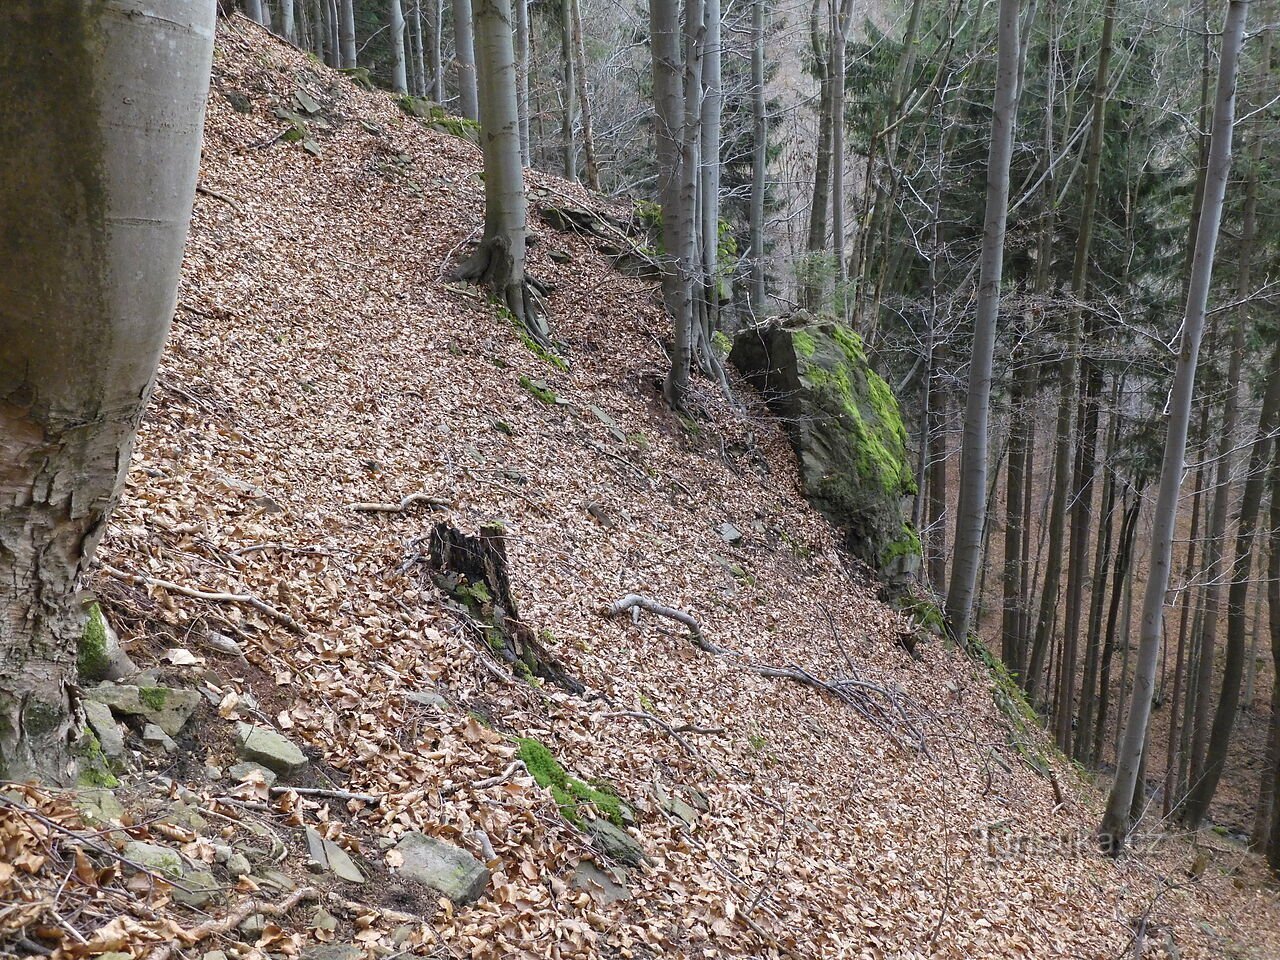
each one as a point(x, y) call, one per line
point(321, 358)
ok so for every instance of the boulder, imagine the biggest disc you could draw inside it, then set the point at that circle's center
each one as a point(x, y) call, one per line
point(269, 748)
point(99, 655)
point(845, 426)
point(168, 708)
point(449, 870)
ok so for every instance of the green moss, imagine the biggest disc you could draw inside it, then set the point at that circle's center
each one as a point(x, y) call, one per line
point(93, 770)
point(722, 343)
point(537, 349)
point(803, 344)
point(906, 545)
point(539, 390)
point(568, 792)
point(925, 612)
point(91, 656)
point(154, 698)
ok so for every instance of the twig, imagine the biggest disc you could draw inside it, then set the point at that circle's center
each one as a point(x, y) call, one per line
point(431, 499)
point(246, 598)
point(236, 917)
point(511, 770)
point(281, 545)
point(369, 798)
point(210, 192)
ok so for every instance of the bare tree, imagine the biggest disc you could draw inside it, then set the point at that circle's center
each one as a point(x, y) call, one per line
point(399, 77)
point(94, 205)
point(465, 54)
point(971, 506)
point(1116, 821)
point(347, 33)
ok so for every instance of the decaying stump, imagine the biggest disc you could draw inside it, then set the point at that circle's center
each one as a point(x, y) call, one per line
point(473, 570)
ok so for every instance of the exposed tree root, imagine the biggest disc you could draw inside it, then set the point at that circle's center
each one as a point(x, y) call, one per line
point(493, 265)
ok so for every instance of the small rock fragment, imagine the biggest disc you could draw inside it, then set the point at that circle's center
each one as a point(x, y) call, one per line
point(616, 842)
point(267, 747)
point(156, 740)
point(598, 883)
point(104, 726)
point(239, 772)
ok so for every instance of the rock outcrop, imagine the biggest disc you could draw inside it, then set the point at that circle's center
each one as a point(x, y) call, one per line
point(844, 423)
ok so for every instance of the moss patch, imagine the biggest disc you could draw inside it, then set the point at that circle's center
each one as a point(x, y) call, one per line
point(539, 390)
point(906, 545)
point(91, 656)
point(569, 792)
point(92, 768)
point(154, 698)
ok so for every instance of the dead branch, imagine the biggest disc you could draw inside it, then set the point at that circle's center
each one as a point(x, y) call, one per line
point(246, 598)
point(210, 192)
point(248, 908)
point(661, 725)
point(633, 601)
point(369, 798)
point(511, 770)
point(434, 501)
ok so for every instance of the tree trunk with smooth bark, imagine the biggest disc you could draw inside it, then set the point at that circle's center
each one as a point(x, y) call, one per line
point(1115, 827)
point(94, 205)
point(399, 73)
point(465, 53)
point(759, 159)
point(971, 505)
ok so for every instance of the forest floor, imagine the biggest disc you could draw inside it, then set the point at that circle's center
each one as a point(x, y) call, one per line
point(320, 359)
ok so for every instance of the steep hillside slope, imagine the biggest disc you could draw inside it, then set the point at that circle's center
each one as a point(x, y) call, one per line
point(320, 360)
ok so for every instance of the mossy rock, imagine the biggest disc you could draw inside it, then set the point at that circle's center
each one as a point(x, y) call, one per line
point(847, 431)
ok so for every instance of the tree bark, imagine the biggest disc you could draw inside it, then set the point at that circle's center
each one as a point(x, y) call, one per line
point(569, 92)
point(286, 21)
point(399, 75)
point(347, 33)
point(1116, 820)
point(465, 53)
point(522, 77)
point(499, 262)
point(971, 506)
point(94, 205)
point(589, 165)
point(1120, 575)
point(759, 159)
point(1265, 836)
point(253, 10)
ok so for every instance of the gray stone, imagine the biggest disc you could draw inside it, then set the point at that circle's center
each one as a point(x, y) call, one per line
point(846, 428)
point(324, 920)
point(98, 807)
point(332, 857)
point(449, 870)
point(215, 955)
point(616, 842)
point(105, 728)
point(697, 798)
point(276, 880)
point(598, 883)
point(675, 807)
point(238, 772)
point(428, 698)
point(201, 889)
point(156, 858)
point(168, 708)
point(238, 865)
point(251, 927)
point(156, 740)
point(610, 424)
point(99, 654)
point(729, 533)
point(267, 747)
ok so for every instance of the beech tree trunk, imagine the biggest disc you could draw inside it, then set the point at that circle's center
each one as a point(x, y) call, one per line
point(399, 75)
point(709, 189)
point(568, 92)
point(1116, 821)
point(286, 21)
point(1266, 823)
point(253, 10)
point(589, 165)
point(499, 262)
point(94, 205)
point(347, 32)
point(759, 159)
point(522, 77)
point(971, 505)
point(465, 53)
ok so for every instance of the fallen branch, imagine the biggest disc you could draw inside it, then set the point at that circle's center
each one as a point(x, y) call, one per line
point(246, 598)
point(413, 499)
point(662, 725)
point(369, 798)
point(212, 928)
point(210, 192)
point(633, 601)
point(511, 770)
